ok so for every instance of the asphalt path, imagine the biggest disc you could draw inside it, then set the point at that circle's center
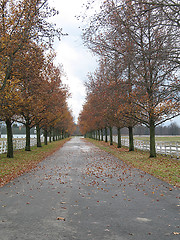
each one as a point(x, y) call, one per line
point(84, 193)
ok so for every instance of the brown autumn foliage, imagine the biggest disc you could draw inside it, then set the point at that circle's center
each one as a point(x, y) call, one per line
point(26, 94)
point(143, 42)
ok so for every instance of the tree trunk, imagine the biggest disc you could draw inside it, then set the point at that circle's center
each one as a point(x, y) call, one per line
point(45, 137)
point(9, 138)
point(101, 134)
point(56, 136)
point(106, 134)
point(152, 139)
point(38, 136)
point(50, 140)
point(53, 132)
point(111, 138)
point(131, 141)
point(28, 140)
point(119, 137)
point(62, 134)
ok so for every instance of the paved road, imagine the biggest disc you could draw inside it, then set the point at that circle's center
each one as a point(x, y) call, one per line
point(83, 193)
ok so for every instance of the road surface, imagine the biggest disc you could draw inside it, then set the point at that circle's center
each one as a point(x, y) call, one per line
point(83, 193)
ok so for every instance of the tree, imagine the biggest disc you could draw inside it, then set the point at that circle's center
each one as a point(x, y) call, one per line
point(27, 68)
point(109, 39)
point(55, 94)
point(148, 49)
point(169, 8)
point(21, 22)
point(155, 95)
point(9, 105)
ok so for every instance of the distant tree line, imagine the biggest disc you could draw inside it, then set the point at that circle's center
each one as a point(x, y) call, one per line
point(21, 130)
point(172, 129)
point(77, 131)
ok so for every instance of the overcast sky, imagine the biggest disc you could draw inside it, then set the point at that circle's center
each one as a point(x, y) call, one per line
point(76, 59)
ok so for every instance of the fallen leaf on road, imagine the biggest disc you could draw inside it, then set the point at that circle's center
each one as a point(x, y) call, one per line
point(63, 207)
point(60, 218)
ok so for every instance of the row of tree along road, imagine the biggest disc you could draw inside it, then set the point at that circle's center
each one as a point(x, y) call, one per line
point(137, 81)
point(31, 90)
point(171, 148)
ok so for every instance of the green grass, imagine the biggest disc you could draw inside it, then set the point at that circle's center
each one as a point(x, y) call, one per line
point(24, 161)
point(165, 139)
point(162, 167)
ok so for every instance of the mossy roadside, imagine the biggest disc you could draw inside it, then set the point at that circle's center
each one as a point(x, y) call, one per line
point(163, 167)
point(24, 161)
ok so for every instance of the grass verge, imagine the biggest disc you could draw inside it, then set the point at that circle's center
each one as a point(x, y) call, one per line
point(24, 161)
point(162, 167)
point(161, 139)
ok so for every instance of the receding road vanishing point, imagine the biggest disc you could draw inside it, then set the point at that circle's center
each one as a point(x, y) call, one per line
point(84, 193)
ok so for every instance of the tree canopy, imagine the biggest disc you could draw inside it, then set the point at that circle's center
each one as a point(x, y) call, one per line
point(138, 43)
point(31, 88)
